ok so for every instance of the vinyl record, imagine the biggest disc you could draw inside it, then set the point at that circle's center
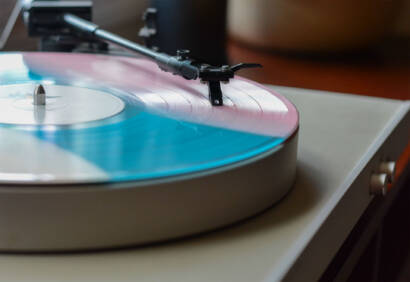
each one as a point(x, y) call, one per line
point(99, 151)
point(116, 119)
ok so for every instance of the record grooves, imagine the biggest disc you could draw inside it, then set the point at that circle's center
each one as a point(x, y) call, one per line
point(122, 153)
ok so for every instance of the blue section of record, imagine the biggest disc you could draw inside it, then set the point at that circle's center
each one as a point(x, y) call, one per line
point(140, 145)
point(148, 146)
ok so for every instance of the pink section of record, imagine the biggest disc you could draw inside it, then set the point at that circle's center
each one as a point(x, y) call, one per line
point(247, 105)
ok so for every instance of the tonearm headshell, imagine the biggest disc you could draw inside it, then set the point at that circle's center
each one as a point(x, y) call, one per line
point(66, 25)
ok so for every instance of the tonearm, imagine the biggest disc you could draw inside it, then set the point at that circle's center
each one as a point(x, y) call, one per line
point(71, 20)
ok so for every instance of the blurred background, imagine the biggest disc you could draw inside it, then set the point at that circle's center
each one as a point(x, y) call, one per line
point(351, 46)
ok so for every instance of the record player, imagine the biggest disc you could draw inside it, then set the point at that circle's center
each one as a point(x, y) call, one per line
point(102, 148)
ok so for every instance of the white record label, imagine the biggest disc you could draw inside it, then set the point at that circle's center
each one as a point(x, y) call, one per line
point(65, 105)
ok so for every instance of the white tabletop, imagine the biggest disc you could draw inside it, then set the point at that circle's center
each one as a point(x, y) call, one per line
point(341, 138)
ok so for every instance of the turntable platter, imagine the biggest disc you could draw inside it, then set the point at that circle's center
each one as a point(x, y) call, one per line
point(121, 153)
